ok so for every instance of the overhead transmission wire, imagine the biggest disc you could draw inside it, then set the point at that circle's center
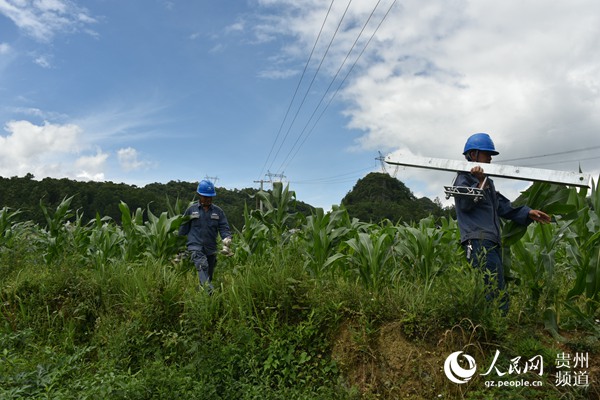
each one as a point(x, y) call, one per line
point(327, 91)
point(560, 153)
point(311, 84)
point(347, 177)
point(288, 158)
point(296, 91)
point(568, 161)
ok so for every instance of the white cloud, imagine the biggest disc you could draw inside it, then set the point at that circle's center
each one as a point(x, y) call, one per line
point(28, 141)
point(47, 150)
point(38, 113)
point(121, 120)
point(236, 27)
point(59, 151)
point(4, 48)
point(86, 176)
point(218, 48)
point(43, 62)
point(129, 159)
point(169, 5)
point(278, 73)
point(42, 19)
point(436, 72)
point(91, 167)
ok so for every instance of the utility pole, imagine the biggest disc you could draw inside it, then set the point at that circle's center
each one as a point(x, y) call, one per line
point(271, 175)
point(213, 179)
point(259, 204)
point(382, 160)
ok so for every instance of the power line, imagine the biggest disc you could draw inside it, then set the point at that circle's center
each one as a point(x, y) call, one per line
point(552, 154)
point(298, 143)
point(311, 82)
point(346, 177)
point(330, 182)
point(328, 88)
point(567, 161)
point(297, 87)
point(340, 85)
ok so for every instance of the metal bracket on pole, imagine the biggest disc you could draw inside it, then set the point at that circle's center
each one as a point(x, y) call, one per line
point(498, 170)
point(464, 191)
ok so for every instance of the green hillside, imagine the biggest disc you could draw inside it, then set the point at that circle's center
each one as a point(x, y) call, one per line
point(374, 198)
point(378, 197)
point(103, 198)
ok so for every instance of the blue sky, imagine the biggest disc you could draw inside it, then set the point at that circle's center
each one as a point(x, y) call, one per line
point(154, 90)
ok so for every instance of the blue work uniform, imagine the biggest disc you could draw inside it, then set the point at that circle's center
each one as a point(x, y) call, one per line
point(202, 230)
point(479, 225)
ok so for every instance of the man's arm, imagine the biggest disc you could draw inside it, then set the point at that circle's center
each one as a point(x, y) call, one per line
point(523, 215)
point(184, 228)
point(224, 230)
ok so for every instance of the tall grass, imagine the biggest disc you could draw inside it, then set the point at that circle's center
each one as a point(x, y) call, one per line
point(99, 310)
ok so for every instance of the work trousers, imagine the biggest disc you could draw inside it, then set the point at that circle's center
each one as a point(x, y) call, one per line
point(205, 265)
point(487, 256)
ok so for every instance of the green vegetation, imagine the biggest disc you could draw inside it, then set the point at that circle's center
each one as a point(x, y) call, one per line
point(378, 197)
point(324, 306)
point(103, 198)
point(374, 198)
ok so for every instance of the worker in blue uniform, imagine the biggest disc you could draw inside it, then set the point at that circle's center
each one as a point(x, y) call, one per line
point(205, 222)
point(479, 218)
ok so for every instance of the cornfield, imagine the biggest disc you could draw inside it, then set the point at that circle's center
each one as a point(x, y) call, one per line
point(554, 273)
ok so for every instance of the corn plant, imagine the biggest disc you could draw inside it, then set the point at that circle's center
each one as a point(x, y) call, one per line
point(178, 207)
point(159, 235)
point(106, 242)
point(572, 243)
point(78, 237)
point(322, 234)
point(55, 221)
point(270, 227)
point(253, 239)
point(277, 214)
point(132, 225)
point(54, 238)
point(369, 257)
point(536, 263)
point(425, 249)
point(552, 199)
point(584, 251)
point(8, 226)
point(555, 200)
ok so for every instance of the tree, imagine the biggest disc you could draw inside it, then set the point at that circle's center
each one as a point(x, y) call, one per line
point(378, 197)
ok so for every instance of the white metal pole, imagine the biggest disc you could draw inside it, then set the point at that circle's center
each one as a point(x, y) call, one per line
point(498, 170)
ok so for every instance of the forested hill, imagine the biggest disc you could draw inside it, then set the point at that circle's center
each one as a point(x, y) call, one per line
point(375, 197)
point(89, 198)
point(379, 196)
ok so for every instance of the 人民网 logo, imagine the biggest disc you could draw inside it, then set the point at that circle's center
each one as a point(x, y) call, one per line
point(455, 372)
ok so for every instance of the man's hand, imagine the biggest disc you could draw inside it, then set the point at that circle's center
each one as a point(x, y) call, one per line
point(539, 216)
point(478, 173)
point(226, 250)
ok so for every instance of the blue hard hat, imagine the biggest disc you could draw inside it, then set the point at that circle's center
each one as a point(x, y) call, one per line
point(480, 141)
point(206, 188)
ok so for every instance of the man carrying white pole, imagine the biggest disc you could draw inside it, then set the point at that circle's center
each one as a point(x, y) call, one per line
point(479, 217)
